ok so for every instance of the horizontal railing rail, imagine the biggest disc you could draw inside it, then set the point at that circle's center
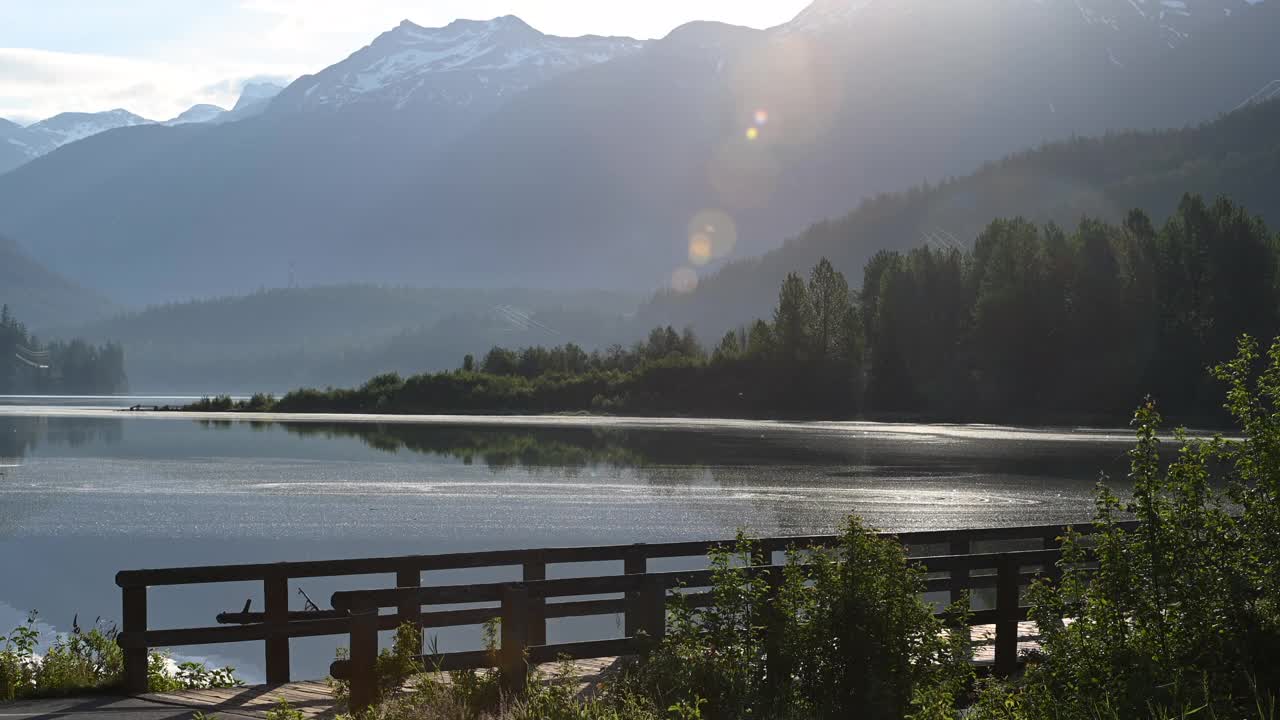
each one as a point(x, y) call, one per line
point(277, 624)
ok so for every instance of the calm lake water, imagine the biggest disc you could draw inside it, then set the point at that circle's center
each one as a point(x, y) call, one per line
point(87, 490)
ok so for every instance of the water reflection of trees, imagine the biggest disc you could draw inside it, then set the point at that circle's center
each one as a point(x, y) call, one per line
point(849, 458)
point(497, 449)
point(756, 465)
point(22, 435)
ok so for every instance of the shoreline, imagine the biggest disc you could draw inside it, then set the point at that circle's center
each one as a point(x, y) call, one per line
point(853, 428)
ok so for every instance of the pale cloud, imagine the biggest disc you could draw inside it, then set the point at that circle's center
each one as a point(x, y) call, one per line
point(36, 84)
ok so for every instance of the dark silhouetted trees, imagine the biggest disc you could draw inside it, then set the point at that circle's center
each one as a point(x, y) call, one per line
point(76, 367)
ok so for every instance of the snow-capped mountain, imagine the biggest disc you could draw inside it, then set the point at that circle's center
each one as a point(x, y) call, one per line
point(476, 64)
point(68, 127)
point(487, 151)
point(19, 145)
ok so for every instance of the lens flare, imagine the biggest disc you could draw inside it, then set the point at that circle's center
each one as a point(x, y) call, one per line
point(700, 249)
point(712, 235)
point(762, 117)
point(753, 133)
point(684, 280)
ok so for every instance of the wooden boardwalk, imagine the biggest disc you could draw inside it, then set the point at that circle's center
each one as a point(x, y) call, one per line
point(312, 699)
point(315, 699)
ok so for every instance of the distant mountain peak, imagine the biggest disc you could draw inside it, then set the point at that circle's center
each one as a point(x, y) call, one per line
point(254, 97)
point(68, 127)
point(198, 114)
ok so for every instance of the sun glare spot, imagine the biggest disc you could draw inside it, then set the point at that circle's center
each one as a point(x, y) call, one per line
point(762, 117)
point(712, 235)
point(684, 280)
point(753, 133)
point(700, 249)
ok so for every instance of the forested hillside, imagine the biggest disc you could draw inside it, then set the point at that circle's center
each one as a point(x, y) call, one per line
point(1237, 155)
point(1034, 324)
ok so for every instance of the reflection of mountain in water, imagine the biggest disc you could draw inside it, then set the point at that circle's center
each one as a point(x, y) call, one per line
point(20, 435)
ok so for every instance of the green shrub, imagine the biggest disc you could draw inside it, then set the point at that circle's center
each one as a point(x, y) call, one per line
point(846, 633)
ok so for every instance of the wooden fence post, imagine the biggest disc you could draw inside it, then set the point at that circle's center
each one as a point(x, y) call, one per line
point(634, 562)
point(959, 573)
point(1007, 616)
point(536, 570)
point(409, 610)
point(653, 601)
point(364, 659)
point(1051, 569)
point(134, 616)
point(276, 598)
point(515, 637)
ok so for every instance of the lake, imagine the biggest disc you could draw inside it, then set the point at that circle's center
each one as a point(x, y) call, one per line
point(87, 489)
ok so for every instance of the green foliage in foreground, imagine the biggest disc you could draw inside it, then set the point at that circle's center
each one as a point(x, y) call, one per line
point(86, 661)
point(1176, 619)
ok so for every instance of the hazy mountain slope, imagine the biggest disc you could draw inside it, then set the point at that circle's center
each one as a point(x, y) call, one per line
point(592, 177)
point(40, 297)
point(12, 146)
point(279, 339)
point(1238, 155)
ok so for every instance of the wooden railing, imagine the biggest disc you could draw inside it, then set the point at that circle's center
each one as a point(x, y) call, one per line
point(524, 605)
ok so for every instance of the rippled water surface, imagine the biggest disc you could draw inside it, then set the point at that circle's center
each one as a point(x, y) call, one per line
point(87, 490)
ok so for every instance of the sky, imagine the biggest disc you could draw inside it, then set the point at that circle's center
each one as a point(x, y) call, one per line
point(159, 57)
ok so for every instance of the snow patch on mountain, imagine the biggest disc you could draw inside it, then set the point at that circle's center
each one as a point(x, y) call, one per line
point(70, 127)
